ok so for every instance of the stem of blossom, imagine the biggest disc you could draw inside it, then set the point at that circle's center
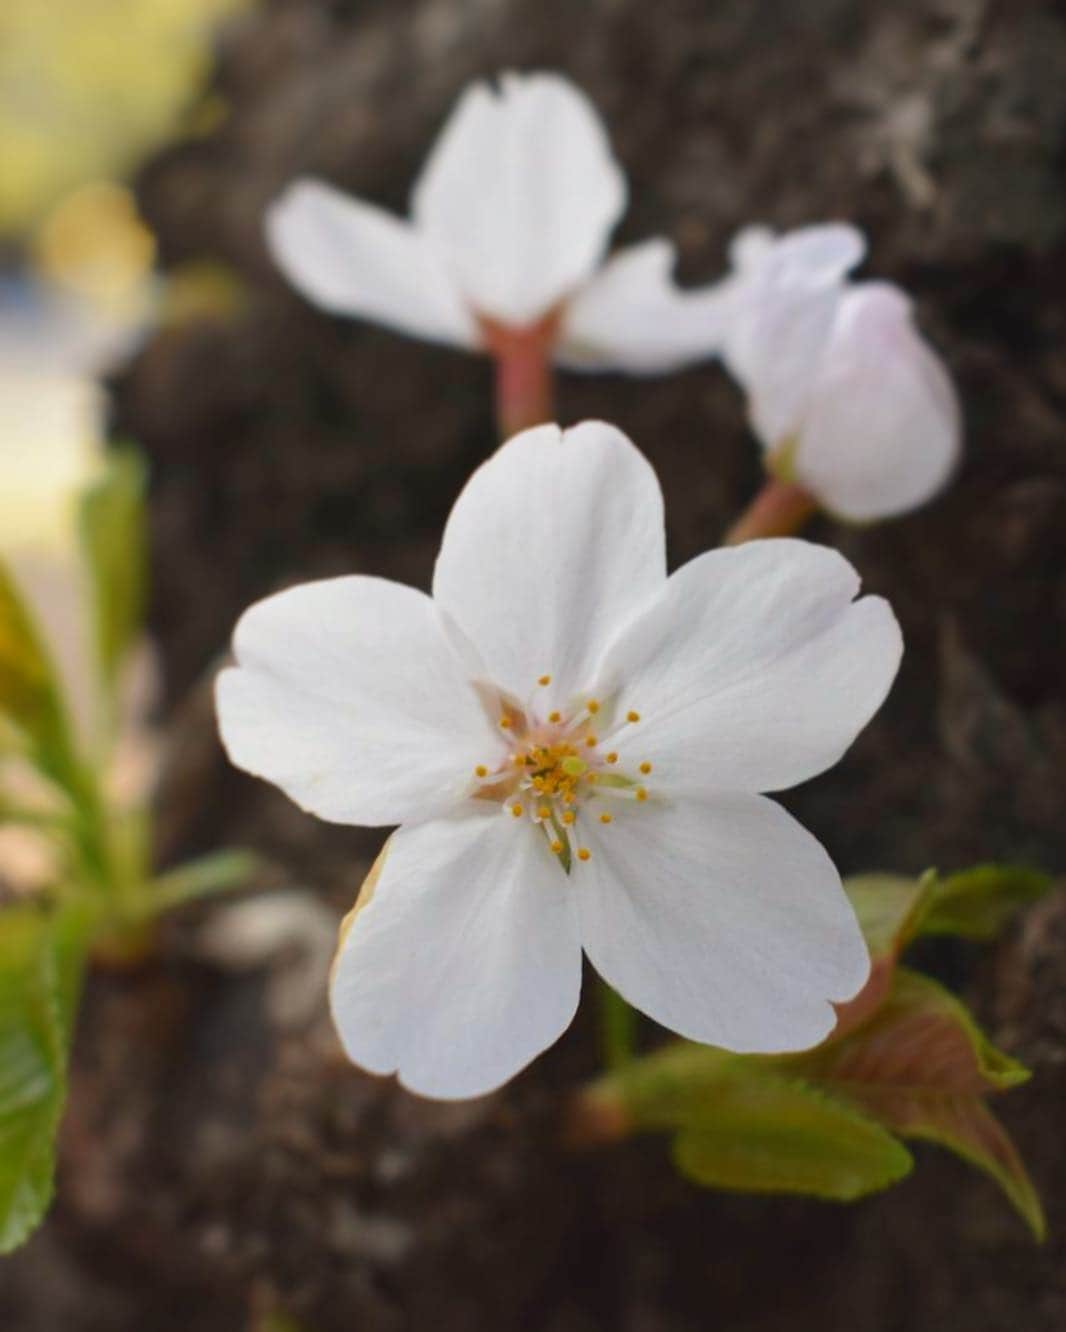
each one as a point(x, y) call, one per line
point(779, 509)
point(618, 1026)
point(525, 389)
point(595, 1117)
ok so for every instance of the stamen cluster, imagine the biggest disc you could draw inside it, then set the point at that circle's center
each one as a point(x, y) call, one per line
point(556, 766)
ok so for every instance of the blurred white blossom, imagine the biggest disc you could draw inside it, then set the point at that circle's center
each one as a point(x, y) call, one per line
point(847, 397)
point(510, 223)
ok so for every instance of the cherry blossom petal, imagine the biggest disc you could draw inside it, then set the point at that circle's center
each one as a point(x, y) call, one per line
point(882, 432)
point(782, 307)
point(632, 316)
point(723, 919)
point(521, 193)
point(466, 963)
point(352, 696)
point(354, 259)
point(555, 541)
point(754, 670)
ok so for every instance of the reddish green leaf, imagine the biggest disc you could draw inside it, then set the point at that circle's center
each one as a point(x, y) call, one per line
point(888, 907)
point(922, 1067)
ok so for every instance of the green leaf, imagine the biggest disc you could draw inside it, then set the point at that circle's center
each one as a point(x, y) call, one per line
point(29, 694)
point(208, 876)
point(922, 1067)
point(888, 907)
point(744, 1126)
point(978, 902)
point(41, 960)
point(113, 535)
point(762, 1134)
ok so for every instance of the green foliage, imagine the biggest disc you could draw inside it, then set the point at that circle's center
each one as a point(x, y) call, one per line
point(922, 1067)
point(769, 1135)
point(112, 524)
point(104, 893)
point(889, 908)
point(977, 903)
point(29, 695)
point(742, 1125)
point(906, 1060)
point(40, 968)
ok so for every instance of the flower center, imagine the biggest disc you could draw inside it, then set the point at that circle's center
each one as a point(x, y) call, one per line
point(559, 774)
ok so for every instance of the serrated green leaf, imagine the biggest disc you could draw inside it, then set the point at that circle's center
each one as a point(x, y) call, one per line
point(762, 1134)
point(29, 693)
point(922, 1067)
point(41, 960)
point(113, 534)
point(977, 903)
point(743, 1126)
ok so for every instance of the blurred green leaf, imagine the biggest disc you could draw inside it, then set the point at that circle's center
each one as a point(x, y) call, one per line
point(41, 960)
point(977, 903)
point(29, 694)
point(113, 535)
point(922, 1067)
point(762, 1134)
point(208, 876)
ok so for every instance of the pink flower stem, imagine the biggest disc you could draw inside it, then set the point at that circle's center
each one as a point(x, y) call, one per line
point(525, 389)
point(779, 509)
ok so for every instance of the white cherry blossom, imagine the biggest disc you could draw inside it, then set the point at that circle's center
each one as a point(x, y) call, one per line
point(510, 223)
point(847, 397)
point(575, 747)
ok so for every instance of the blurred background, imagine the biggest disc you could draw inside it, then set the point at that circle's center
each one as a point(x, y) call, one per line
point(221, 1167)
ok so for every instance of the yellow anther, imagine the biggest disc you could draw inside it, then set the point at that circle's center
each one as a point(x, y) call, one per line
point(583, 853)
point(516, 810)
point(555, 716)
point(642, 793)
point(568, 817)
point(506, 723)
point(605, 818)
point(591, 740)
point(632, 716)
point(544, 680)
point(612, 757)
point(544, 812)
point(593, 706)
point(645, 768)
point(481, 770)
point(557, 847)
